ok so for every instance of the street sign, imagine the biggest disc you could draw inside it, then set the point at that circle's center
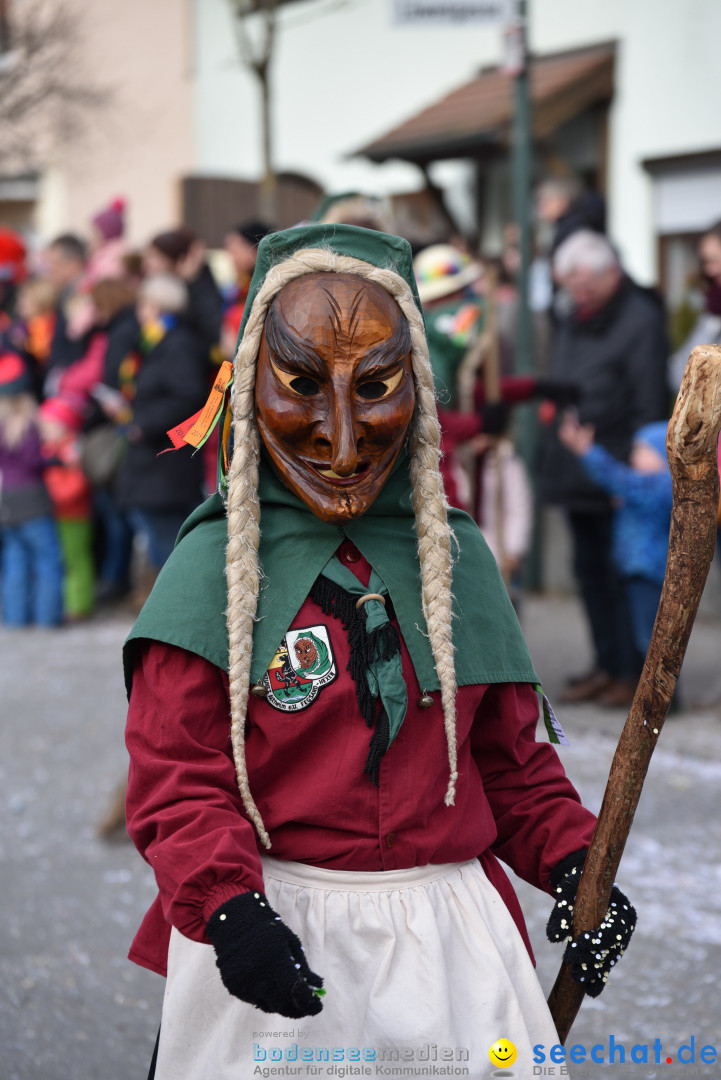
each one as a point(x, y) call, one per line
point(452, 12)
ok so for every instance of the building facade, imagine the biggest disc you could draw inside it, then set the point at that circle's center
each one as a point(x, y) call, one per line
point(182, 106)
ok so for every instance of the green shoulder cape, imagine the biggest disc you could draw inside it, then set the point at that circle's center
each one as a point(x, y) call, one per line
point(188, 603)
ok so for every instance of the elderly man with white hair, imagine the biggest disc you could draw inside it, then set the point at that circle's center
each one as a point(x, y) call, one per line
point(613, 347)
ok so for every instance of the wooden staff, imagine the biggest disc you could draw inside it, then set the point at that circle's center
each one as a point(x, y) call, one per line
point(691, 443)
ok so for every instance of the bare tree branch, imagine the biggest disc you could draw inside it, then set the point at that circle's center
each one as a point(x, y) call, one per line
point(256, 56)
point(45, 97)
point(256, 53)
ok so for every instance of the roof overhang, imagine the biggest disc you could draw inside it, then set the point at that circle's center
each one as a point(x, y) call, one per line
point(697, 159)
point(475, 120)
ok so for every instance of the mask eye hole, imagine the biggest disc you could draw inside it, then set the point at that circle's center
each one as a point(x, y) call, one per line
point(375, 389)
point(372, 391)
point(304, 386)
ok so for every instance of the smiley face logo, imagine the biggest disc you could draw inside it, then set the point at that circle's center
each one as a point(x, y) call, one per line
point(502, 1053)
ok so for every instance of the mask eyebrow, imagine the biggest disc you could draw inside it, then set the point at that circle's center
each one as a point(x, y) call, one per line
point(289, 351)
point(382, 356)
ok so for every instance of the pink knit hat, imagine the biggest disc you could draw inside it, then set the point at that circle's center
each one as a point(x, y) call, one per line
point(64, 411)
point(14, 375)
point(111, 221)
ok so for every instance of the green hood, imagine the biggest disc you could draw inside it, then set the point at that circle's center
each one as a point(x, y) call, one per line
point(377, 248)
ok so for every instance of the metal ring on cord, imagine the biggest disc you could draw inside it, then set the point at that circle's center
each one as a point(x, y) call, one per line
point(371, 596)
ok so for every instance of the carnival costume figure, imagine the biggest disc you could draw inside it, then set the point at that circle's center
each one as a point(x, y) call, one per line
point(332, 714)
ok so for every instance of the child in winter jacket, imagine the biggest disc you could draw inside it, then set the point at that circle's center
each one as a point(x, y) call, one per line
point(107, 245)
point(31, 574)
point(642, 490)
point(504, 508)
point(60, 424)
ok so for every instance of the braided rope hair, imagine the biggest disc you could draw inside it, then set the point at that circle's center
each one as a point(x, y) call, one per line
point(243, 570)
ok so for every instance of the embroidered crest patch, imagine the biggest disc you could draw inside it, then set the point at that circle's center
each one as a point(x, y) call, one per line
point(303, 664)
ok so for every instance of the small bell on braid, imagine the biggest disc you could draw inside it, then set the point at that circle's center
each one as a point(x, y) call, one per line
point(243, 570)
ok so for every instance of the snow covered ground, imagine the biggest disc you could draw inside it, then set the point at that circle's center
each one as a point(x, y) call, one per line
point(73, 1008)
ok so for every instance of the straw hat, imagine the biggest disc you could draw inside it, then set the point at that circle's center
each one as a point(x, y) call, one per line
point(442, 270)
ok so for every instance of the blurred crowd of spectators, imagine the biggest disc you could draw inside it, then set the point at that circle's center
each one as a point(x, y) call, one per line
point(104, 349)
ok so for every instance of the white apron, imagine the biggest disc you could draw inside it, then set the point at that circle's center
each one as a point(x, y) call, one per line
point(424, 970)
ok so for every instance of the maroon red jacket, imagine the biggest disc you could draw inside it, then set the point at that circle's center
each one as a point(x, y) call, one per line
point(185, 814)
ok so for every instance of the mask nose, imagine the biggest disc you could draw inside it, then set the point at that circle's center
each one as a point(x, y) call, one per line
point(344, 451)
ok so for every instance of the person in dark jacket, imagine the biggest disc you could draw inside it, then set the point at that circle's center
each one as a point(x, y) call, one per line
point(65, 260)
point(566, 207)
point(613, 347)
point(115, 307)
point(563, 207)
point(241, 244)
point(117, 322)
point(160, 489)
point(181, 252)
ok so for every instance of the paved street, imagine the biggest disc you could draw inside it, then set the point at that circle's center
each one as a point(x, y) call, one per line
point(73, 1008)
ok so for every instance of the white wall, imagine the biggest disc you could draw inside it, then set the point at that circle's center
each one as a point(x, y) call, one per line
point(667, 93)
point(345, 75)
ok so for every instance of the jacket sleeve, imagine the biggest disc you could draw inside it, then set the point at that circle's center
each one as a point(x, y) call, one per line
point(457, 427)
point(205, 308)
point(646, 371)
point(186, 389)
point(33, 458)
point(647, 491)
point(81, 377)
point(538, 813)
point(123, 339)
point(184, 811)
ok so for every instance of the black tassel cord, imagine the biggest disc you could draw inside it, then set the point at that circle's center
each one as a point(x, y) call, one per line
point(383, 643)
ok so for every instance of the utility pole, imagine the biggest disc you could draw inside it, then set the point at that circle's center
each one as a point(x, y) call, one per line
point(521, 164)
point(521, 173)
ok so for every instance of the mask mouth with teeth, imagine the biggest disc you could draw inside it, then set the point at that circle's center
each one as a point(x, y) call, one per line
point(334, 394)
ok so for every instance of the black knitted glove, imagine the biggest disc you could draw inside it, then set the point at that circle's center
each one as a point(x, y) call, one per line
point(563, 393)
point(260, 960)
point(591, 955)
point(494, 417)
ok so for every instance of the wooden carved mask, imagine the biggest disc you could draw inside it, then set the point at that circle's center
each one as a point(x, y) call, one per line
point(334, 391)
